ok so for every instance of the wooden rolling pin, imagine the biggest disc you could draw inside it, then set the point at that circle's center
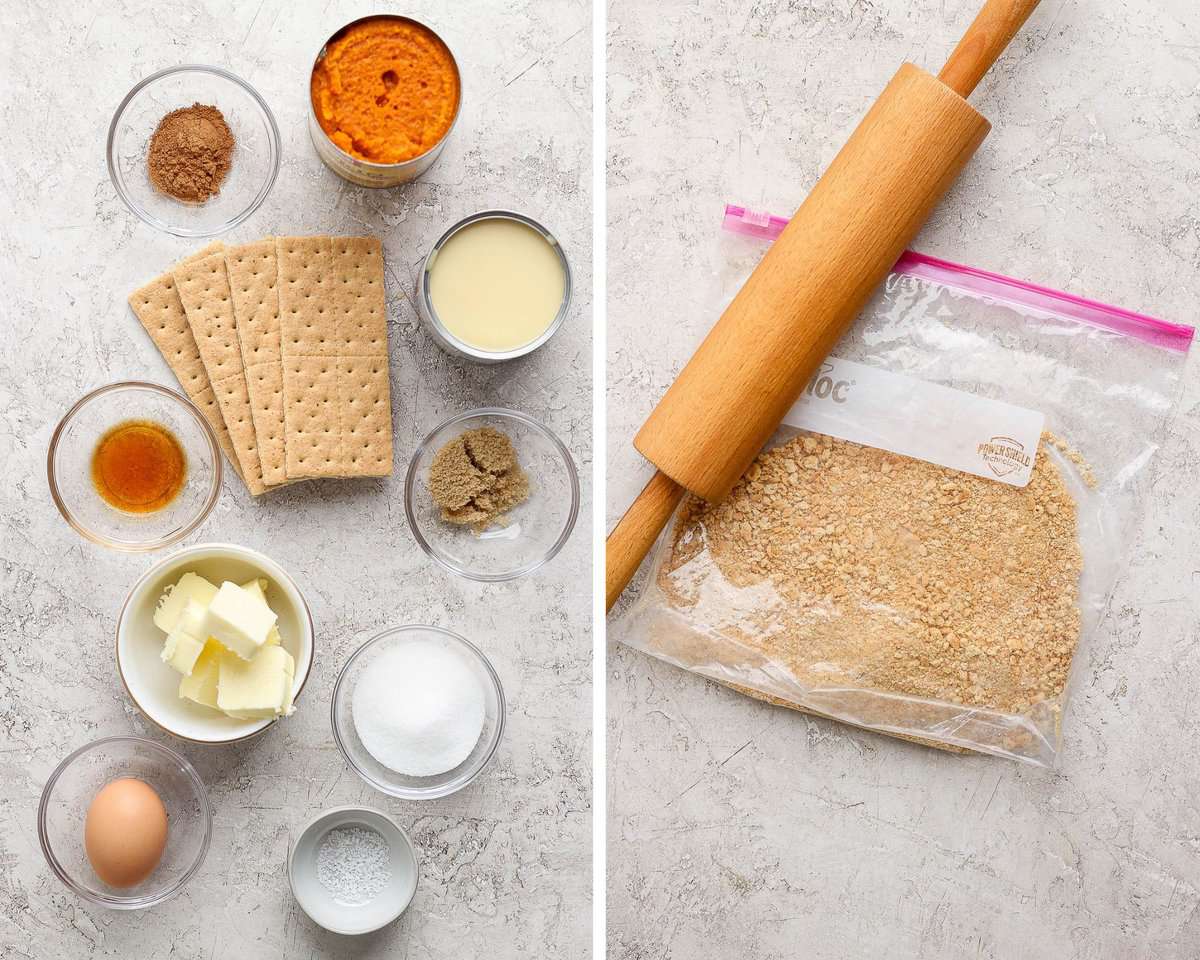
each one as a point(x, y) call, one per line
point(811, 284)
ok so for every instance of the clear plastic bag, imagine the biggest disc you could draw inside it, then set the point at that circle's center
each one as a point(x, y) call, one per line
point(940, 339)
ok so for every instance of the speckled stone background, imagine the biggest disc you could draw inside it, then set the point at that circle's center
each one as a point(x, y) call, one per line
point(506, 862)
point(737, 829)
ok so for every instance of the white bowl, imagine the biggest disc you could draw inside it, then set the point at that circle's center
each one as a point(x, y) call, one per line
point(320, 904)
point(154, 687)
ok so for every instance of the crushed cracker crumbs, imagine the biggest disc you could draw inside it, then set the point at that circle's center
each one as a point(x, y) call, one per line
point(873, 570)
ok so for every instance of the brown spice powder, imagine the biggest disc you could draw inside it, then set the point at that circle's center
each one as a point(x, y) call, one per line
point(894, 574)
point(190, 153)
point(475, 478)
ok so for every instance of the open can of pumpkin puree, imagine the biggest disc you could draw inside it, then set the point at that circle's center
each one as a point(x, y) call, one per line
point(384, 94)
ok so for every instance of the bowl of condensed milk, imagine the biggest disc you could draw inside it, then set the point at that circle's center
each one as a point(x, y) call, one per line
point(496, 285)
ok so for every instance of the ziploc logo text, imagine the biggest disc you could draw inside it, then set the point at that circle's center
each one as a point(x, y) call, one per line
point(928, 421)
point(824, 386)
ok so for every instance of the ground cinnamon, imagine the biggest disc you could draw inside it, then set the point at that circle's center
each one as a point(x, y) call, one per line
point(190, 153)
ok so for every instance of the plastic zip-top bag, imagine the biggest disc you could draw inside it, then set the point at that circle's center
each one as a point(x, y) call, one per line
point(938, 523)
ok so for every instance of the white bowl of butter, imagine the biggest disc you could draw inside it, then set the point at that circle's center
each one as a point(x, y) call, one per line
point(198, 616)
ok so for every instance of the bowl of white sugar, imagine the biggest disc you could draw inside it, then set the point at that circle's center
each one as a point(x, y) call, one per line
point(418, 712)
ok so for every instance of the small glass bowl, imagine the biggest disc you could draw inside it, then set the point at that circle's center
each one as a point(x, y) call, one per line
point(69, 466)
point(375, 773)
point(533, 532)
point(256, 151)
point(69, 793)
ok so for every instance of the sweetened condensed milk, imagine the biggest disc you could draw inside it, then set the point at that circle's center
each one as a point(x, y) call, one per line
point(497, 284)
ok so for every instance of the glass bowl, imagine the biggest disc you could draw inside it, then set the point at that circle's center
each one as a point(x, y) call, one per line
point(256, 151)
point(532, 532)
point(69, 466)
point(375, 773)
point(70, 790)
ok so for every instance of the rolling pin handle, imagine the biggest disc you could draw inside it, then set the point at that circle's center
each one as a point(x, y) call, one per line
point(984, 41)
point(632, 538)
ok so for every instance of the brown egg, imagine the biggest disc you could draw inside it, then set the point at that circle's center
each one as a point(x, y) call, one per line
point(125, 832)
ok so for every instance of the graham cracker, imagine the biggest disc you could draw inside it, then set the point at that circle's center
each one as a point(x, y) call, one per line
point(334, 345)
point(160, 311)
point(203, 287)
point(253, 271)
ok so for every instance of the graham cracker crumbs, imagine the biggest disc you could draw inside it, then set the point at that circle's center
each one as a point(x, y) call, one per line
point(1084, 468)
point(476, 479)
point(872, 570)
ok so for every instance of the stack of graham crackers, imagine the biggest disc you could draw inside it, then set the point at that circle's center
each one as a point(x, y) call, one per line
point(283, 346)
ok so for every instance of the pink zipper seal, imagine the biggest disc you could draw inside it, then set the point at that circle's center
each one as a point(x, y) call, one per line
point(995, 286)
point(753, 223)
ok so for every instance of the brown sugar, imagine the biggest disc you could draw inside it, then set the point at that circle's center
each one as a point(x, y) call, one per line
point(190, 153)
point(475, 478)
point(872, 570)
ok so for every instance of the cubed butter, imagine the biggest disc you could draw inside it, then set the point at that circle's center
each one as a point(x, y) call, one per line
point(288, 709)
point(258, 588)
point(258, 688)
point(238, 620)
point(191, 586)
point(181, 650)
point(186, 639)
point(201, 685)
point(289, 689)
point(192, 619)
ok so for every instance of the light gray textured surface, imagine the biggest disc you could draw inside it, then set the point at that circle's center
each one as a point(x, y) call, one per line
point(505, 863)
point(737, 829)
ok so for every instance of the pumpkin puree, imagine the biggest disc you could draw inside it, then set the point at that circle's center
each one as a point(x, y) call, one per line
point(386, 90)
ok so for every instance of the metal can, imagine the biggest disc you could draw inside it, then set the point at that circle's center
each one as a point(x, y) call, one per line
point(363, 172)
point(452, 344)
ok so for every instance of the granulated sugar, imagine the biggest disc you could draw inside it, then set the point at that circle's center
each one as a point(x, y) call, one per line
point(892, 574)
point(419, 709)
point(353, 864)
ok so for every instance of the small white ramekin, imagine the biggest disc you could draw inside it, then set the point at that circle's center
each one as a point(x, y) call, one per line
point(320, 904)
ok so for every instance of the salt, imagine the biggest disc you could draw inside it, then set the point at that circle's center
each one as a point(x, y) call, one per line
point(419, 709)
point(353, 864)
